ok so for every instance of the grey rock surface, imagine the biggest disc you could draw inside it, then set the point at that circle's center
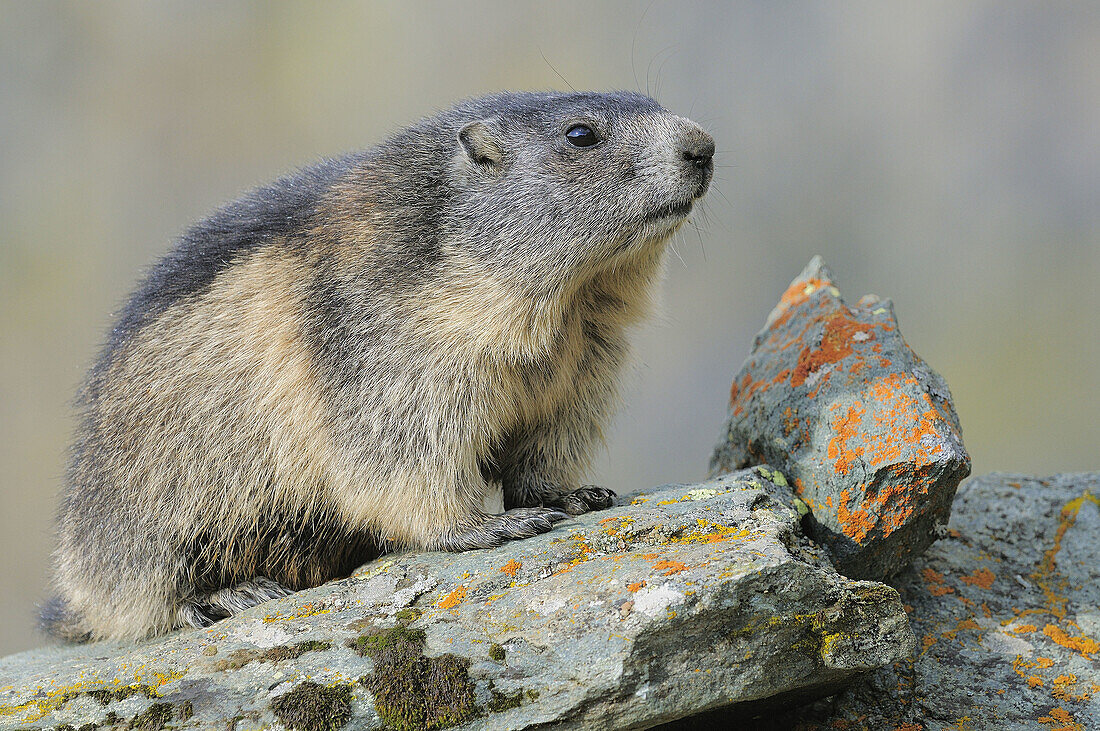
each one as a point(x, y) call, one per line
point(1006, 609)
point(690, 597)
point(865, 430)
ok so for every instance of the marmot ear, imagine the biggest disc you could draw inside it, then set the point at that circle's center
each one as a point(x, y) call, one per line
point(479, 140)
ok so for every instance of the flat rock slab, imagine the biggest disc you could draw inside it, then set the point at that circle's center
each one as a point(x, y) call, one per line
point(691, 597)
point(1007, 613)
point(834, 397)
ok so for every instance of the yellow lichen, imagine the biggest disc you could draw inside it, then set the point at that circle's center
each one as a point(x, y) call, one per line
point(48, 701)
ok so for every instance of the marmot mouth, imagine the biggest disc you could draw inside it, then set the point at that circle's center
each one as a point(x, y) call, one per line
point(673, 210)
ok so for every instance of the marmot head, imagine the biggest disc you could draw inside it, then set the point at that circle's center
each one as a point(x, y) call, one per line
point(549, 188)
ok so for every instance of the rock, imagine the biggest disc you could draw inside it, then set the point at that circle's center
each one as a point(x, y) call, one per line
point(1007, 609)
point(865, 430)
point(686, 599)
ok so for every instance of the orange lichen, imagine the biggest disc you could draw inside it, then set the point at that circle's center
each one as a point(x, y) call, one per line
point(1046, 576)
point(797, 293)
point(1034, 681)
point(1020, 665)
point(1044, 662)
point(931, 576)
point(453, 599)
point(855, 523)
point(790, 422)
point(741, 393)
point(903, 442)
point(836, 345)
point(959, 626)
point(511, 568)
point(934, 580)
point(981, 577)
point(903, 420)
point(1024, 629)
point(845, 428)
point(673, 567)
point(1062, 689)
point(1083, 645)
point(636, 586)
point(1061, 716)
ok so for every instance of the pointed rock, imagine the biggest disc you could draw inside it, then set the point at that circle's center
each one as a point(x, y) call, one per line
point(863, 428)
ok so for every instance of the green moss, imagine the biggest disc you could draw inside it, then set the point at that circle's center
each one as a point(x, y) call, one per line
point(292, 652)
point(239, 658)
point(153, 718)
point(503, 701)
point(313, 707)
point(412, 691)
point(231, 724)
point(875, 594)
point(372, 643)
point(185, 711)
point(107, 695)
point(496, 653)
point(408, 615)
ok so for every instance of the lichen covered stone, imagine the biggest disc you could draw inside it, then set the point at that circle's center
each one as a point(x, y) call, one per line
point(864, 430)
point(1006, 609)
point(679, 599)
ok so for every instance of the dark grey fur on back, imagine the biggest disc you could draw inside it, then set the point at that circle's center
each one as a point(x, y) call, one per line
point(355, 355)
point(260, 217)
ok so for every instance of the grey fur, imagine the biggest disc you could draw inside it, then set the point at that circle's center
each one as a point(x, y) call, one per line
point(353, 356)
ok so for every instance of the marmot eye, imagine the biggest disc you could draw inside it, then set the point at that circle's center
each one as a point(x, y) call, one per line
point(581, 136)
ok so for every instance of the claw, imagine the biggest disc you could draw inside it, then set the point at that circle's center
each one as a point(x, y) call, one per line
point(493, 530)
point(589, 497)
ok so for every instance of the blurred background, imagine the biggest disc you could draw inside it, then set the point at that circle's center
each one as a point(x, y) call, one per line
point(945, 154)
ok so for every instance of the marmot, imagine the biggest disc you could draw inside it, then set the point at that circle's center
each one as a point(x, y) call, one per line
point(350, 357)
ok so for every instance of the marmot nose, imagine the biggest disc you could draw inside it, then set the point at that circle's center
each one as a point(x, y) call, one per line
point(697, 149)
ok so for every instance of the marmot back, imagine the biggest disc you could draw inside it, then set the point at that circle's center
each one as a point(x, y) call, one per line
point(349, 359)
